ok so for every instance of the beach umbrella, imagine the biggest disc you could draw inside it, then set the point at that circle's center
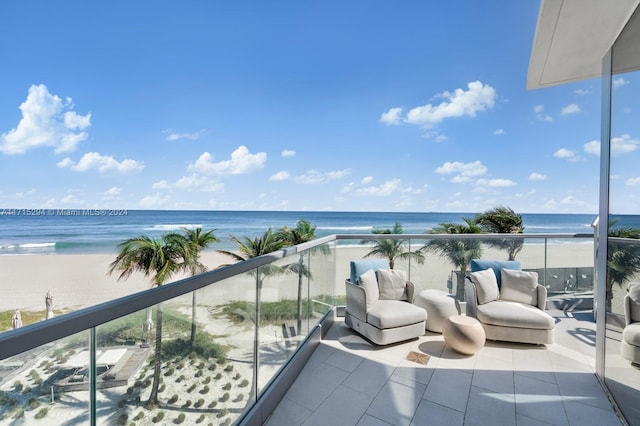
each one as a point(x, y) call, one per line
point(16, 320)
point(48, 301)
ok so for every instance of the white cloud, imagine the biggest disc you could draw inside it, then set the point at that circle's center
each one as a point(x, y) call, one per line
point(623, 144)
point(191, 182)
point(582, 92)
point(499, 132)
point(155, 200)
point(366, 180)
point(314, 176)
point(616, 83)
point(495, 183)
point(71, 200)
point(26, 193)
point(241, 162)
point(392, 117)
point(286, 153)
point(573, 201)
point(541, 115)
point(570, 109)
point(592, 147)
point(619, 145)
point(461, 179)
point(537, 176)
point(633, 181)
point(113, 191)
point(102, 163)
point(283, 175)
point(478, 97)
point(348, 187)
point(566, 153)
point(441, 138)
point(66, 162)
point(412, 190)
point(174, 136)
point(163, 184)
point(386, 189)
point(46, 121)
point(526, 194)
point(463, 170)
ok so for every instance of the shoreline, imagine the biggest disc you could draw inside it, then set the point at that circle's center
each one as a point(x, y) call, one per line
point(80, 280)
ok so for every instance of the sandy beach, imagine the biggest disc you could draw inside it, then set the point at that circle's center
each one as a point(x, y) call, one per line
point(78, 281)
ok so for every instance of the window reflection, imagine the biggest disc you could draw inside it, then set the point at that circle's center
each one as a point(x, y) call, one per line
point(621, 368)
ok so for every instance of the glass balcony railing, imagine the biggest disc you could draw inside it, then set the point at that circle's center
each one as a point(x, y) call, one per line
point(207, 349)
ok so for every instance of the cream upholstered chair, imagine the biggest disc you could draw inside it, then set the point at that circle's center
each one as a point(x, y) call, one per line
point(630, 345)
point(508, 302)
point(379, 303)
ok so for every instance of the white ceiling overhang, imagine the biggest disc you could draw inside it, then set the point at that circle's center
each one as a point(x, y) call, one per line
point(572, 37)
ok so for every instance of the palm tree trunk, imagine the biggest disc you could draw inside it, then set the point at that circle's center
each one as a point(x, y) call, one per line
point(299, 313)
point(460, 287)
point(157, 364)
point(193, 320)
point(253, 393)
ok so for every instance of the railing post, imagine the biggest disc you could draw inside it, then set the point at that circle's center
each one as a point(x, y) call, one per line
point(256, 335)
point(545, 262)
point(92, 376)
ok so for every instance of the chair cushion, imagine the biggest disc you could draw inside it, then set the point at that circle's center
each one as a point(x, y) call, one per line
point(486, 285)
point(394, 313)
point(359, 267)
point(631, 334)
point(512, 314)
point(519, 286)
point(634, 302)
point(392, 284)
point(496, 265)
point(369, 282)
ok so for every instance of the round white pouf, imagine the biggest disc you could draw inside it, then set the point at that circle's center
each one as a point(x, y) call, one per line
point(464, 334)
point(439, 306)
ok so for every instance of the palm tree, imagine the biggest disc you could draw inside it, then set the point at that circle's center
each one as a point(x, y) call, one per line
point(303, 232)
point(194, 241)
point(247, 249)
point(159, 259)
point(502, 220)
point(393, 249)
point(623, 259)
point(458, 251)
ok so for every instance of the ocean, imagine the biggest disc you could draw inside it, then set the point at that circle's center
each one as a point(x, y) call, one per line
point(72, 231)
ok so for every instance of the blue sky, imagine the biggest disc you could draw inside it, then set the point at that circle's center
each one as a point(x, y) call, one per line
point(288, 105)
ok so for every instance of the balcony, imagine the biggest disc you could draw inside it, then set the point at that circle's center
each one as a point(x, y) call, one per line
point(96, 365)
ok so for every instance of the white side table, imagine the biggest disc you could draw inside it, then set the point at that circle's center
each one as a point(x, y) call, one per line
point(464, 334)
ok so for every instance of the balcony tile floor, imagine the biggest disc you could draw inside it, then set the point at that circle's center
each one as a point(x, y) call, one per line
point(350, 381)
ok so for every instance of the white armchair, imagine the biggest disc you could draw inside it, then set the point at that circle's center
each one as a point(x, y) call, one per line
point(630, 345)
point(508, 302)
point(379, 304)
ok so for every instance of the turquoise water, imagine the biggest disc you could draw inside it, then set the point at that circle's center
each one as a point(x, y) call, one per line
point(60, 231)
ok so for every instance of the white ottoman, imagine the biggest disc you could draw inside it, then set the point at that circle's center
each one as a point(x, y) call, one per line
point(464, 334)
point(439, 306)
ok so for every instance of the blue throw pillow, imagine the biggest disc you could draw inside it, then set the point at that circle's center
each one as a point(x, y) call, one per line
point(359, 267)
point(496, 265)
